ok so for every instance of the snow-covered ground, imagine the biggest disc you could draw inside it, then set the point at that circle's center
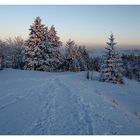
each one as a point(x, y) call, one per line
point(66, 103)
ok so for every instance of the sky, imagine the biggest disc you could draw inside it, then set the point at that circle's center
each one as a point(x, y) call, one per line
point(88, 25)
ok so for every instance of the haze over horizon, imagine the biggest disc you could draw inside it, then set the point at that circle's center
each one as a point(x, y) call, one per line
point(87, 25)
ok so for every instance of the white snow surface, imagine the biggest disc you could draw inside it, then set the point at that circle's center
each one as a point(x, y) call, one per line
point(66, 103)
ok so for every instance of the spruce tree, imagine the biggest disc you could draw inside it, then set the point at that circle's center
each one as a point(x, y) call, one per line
point(83, 58)
point(33, 50)
point(111, 67)
point(54, 50)
point(71, 56)
point(46, 55)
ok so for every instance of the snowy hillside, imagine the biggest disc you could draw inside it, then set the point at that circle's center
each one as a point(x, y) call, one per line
point(66, 103)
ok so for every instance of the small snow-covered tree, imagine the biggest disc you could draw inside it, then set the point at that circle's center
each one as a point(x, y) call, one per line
point(71, 55)
point(33, 51)
point(83, 58)
point(54, 50)
point(111, 67)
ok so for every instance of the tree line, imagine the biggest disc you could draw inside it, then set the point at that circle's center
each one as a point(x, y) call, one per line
point(42, 52)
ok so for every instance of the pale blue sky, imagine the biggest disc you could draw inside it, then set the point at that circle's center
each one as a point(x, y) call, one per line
point(88, 25)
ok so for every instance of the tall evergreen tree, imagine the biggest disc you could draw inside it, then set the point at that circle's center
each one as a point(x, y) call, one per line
point(111, 67)
point(54, 49)
point(33, 50)
point(46, 55)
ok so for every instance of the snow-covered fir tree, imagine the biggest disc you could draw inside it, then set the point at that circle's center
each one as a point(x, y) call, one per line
point(83, 58)
point(111, 67)
point(71, 54)
point(33, 50)
point(45, 61)
point(55, 59)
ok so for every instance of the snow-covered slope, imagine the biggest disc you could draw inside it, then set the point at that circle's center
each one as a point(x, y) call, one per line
point(66, 103)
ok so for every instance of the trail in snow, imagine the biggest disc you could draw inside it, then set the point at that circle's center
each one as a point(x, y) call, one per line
point(66, 103)
point(63, 114)
point(106, 111)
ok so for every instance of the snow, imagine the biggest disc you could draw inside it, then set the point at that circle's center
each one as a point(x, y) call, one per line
point(66, 103)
